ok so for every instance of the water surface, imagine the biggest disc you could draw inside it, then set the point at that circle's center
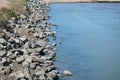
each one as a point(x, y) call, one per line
point(90, 35)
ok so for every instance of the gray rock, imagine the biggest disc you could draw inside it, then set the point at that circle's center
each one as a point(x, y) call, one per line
point(20, 59)
point(4, 59)
point(32, 45)
point(54, 44)
point(54, 33)
point(7, 70)
point(42, 77)
point(17, 74)
point(25, 63)
point(16, 40)
point(32, 65)
point(41, 36)
point(49, 68)
point(53, 75)
point(27, 73)
point(41, 43)
point(42, 72)
point(1, 64)
point(2, 53)
point(28, 58)
point(47, 47)
point(36, 35)
point(26, 45)
point(1, 47)
point(67, 73)
point(23, 38)
point(23, 16)
point(3, 41)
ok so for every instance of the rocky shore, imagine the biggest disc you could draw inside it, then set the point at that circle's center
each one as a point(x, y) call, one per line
point(24, 52)
point(82, 1)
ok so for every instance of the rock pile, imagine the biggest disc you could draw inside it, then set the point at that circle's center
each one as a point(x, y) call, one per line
point(25, 53)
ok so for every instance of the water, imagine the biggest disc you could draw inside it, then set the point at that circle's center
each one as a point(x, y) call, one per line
point(90, 35)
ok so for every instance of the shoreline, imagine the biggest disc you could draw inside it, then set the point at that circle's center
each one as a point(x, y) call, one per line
point(59, 2)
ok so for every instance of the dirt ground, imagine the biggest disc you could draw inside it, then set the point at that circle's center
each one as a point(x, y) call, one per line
point(3, 3)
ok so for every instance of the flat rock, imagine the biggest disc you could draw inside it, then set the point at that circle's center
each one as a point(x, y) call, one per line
point(20, 59)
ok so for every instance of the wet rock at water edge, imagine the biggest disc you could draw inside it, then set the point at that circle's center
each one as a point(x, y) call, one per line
point(67, 73)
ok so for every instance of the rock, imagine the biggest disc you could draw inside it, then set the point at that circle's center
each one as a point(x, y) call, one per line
point(13, 18)
point(25, 63)
point(54, 33)
point(2, 53)
point(41, 43)
point(20, 59)
point(22, 16)
point(4, 59)
point(49, 68)
point(42, 77)
point(54, 44)
point(7, 70)
point(26, 45)
point(28, 58)
point(53, 75)
point(17, 41)
point(47, 47)
point(32, 45)
point(1, 64)
point(36, 35)
point(42, 72)
point(67, 73)
point(1, 47)
point(43, 57)
point(3, 41)
point(32, 65)
point(23, 38)
point(41, 36)
point(27, 73)
point(17, 74)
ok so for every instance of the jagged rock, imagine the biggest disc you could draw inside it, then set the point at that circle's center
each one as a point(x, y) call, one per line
point(7, 70)
point(53, 75)
point(49, 68)
point(41, 43)
point(22, 16)
point(42, 77)
point(23, 38)
point(25, 63)
point(17, 41)
point(27, 73)
point(54, 44)
point(17, 74)
point(36, 35)
point(26, 45)
point(42, 72)
point(28, 58)
point(41, 36)
point(32, 65)
point(67, 73)
point(4, 59)
point(54, 33)
point(32, 45)
point(47, 47)
point(3, 41)
point(20, 59)
point(9, 53)
point(2, 53)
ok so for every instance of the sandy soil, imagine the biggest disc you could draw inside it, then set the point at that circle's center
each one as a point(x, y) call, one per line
point(3, 3)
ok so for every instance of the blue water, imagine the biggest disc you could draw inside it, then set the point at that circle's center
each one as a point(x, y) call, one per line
point(90, 36)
